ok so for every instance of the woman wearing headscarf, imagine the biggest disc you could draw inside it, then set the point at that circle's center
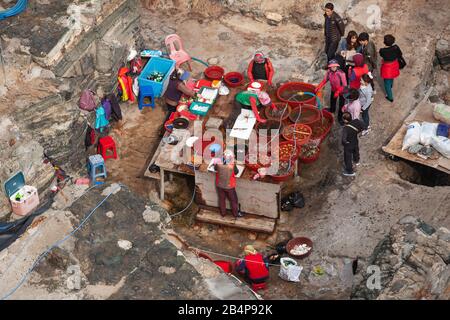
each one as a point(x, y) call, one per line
point(260, 68)
point(254, 266)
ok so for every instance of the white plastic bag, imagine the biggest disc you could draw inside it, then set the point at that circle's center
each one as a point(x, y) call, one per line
point(441, 112)
point(412, 135)
point(442, 145)
point(290, 272)
point(427, 132)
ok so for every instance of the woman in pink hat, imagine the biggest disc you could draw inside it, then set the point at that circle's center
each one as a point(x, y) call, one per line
point(338, 82)
point(260, 68)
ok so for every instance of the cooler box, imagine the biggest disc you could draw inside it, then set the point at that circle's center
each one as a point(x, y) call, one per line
point(24, 199)
point(158, 64)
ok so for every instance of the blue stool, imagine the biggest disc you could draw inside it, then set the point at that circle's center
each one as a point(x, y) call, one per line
point(96, 162)
point(146, 92)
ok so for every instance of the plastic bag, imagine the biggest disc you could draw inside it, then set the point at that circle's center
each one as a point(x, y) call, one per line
point(428, 131)
point(290, 270)
point(442, 113)
point(442, 145)
point(412, 135)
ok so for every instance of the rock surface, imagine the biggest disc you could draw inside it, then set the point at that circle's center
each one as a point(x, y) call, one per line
point(414, 260)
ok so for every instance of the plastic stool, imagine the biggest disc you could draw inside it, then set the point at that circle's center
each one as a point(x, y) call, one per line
point(146, 92)
point(105, 144)
point(258, 286)
point(96, 162)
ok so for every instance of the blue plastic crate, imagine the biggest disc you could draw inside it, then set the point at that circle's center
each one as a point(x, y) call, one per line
point(162, 65)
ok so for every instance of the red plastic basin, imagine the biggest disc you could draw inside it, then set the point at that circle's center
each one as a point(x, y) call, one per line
point(233, 79)
point(214, 72)
point(286, 92)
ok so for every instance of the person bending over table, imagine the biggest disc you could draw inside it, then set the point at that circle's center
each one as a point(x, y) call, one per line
point(175, 90)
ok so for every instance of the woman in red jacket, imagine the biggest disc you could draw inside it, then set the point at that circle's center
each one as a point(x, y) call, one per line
point(390, 68)
point(254, 266)
point(260, 68)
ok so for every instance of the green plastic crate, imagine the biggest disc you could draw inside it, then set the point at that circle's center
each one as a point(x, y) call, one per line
point(199, 108)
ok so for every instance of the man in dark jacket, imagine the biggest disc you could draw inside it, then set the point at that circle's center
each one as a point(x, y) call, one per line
point(334, 30)
point(368, 50)
point(350, 142)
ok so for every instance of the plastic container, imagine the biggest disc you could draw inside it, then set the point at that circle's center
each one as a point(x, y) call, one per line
point(321, 128)
point(233, 79)
point(305, 114)
point(286, 93)
point(282, 113)
point(299, 241)
point(293, 154)
point(199, 108)
point(24, 199)
point(214, 72)
point(311, 159)
point(226, 266)
point(162, 65)
point(301, 136)
point(284, 177)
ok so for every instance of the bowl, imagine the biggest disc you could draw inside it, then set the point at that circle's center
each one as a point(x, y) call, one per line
point(299, 241)
point(233, 79)
point(214, 72)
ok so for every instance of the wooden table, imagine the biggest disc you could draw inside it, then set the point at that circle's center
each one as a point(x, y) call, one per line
point(257, 197)
point(422, 113)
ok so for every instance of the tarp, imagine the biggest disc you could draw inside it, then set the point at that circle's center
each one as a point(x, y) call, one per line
point(10, 231)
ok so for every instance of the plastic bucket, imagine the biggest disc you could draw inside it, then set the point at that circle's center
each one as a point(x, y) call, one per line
point(287, 93)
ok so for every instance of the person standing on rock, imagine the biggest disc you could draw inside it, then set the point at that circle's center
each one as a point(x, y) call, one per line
point(366, 98)
point(226, 172)
point(352, 127)
point(338, 82)
point(368, 50)
point(334, 29)
point(390, 67)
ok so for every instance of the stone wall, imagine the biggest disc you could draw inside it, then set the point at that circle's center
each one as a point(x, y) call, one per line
point(43, 83)
point(414, 260)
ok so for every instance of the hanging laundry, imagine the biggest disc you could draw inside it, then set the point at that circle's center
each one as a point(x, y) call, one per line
point(106, 104)
point(116, 112)
point(100, 119)
point(125, 85)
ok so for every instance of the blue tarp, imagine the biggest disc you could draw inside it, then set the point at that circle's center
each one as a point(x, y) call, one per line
point(20, 6)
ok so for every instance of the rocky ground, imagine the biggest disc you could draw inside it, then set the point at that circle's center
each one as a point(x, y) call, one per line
point(346, 218)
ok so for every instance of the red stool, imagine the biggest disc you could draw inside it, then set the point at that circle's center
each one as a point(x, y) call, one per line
point(105, 144)
point(258, 286)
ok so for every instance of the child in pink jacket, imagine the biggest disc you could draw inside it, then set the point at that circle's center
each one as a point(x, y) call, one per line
point(338, 82)
point(354, 105)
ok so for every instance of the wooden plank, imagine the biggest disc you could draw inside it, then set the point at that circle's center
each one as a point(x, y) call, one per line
point(256, 197)
point(247, 222)
point(423, 112)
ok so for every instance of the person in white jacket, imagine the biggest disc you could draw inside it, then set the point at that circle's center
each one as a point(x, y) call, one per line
point(366, 98)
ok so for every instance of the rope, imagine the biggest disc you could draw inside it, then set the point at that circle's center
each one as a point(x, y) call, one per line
point(228, 256)
point(57, 244)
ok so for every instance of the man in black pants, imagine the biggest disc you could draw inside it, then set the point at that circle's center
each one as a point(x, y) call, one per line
point(334, 30)
point(350, 142)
